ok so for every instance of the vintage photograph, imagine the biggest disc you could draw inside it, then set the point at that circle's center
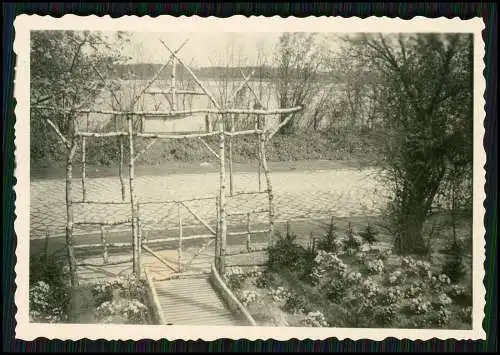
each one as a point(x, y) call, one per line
point(253, 179)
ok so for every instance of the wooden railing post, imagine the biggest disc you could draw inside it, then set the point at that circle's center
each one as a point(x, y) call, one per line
point(179, 209)
point(262, 148)
point(222, 195)
point(230, 160)
point(139, 240)
point(217, 235)
point(70, 214)
point(104, 245)
point(132, 197)
point(248, 232)
point(84, 188)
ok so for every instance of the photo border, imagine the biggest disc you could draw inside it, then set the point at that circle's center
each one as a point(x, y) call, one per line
point(264, 332)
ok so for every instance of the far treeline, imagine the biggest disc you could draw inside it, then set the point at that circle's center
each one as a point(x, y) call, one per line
point(403, 101)
point(146, 71)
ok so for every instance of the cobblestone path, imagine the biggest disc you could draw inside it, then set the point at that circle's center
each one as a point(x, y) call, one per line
point(298, 194)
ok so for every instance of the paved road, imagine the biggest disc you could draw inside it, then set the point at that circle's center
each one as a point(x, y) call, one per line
point(298, 194)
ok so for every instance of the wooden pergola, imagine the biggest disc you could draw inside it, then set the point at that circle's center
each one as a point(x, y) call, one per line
point(221, 115)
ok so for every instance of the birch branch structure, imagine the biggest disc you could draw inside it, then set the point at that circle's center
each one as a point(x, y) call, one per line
point(177, 92)
point(132, 193)
point(157, 75)
point(149, 145)
point(222, 196)
point(198, 218)
point(238, 111)
point(120, 169)
point(281, 125)
point(163, 261)
point(231, 182)
point(172, 87)
point(58, 132)
point(179, 211)
point(209, 147)
point(257, 98)
point(84, 188)
point(70, 215)
point(269, 188)
point(195, 78)
point(199, 251)
point(241, 86)
point(104, 245)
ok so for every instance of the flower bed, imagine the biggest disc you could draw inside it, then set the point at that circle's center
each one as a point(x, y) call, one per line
point(354, 283)
point(121, 300)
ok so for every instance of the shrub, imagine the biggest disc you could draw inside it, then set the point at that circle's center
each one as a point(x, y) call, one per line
point(42, 307)
point(386, 314)
point(265, 280)
point(335, 290)
point(327, 266)
point(329, 241)
point(247, 297)
point(369, 234)
point(280, 294)
point(50, 292)
point(353, 241)
point(315, 319)
point(131, 311)
point(420, 306)
point(453, 266)
point(286, 254)
point(466, 314)
point(128, 287)
point(235, 278)
point(375, 267)
point(296, 304)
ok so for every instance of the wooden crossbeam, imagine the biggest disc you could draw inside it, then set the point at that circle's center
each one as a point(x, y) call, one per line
point(163, 261)
point(224, 111)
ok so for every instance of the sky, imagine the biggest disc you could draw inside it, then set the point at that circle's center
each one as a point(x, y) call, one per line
point(202, 49)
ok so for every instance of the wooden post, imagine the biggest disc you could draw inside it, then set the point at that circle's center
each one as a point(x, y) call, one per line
point(104, 245)
point(179, 209)
point(132, 197)
point(222, 196)
point(248, 232)
point(231, 186)
point(120, 166)
point(172, 86)
point(207, 124)
point(139, 239)
point(217, 235)
point(46, 247)
point(269, 188)
point(258, 127)
point(69, 213)
point(84, 189)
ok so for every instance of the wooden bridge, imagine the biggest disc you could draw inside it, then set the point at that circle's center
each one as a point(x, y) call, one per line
point(194, 301)
point(195, 296)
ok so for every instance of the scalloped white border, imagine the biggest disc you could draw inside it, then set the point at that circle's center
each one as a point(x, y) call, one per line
point(24, 23)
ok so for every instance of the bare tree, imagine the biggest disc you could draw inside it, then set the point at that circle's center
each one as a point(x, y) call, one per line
point(426, 100)
point(298, 60)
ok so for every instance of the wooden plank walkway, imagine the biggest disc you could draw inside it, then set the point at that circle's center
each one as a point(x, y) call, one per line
point(193, 301)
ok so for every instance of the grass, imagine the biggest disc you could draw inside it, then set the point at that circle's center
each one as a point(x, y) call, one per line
point(300, 146)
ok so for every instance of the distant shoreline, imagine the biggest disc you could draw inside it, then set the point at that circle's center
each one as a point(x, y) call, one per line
point(200, 167)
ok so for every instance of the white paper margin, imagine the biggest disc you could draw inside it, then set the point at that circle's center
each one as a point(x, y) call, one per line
point(24, 23)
